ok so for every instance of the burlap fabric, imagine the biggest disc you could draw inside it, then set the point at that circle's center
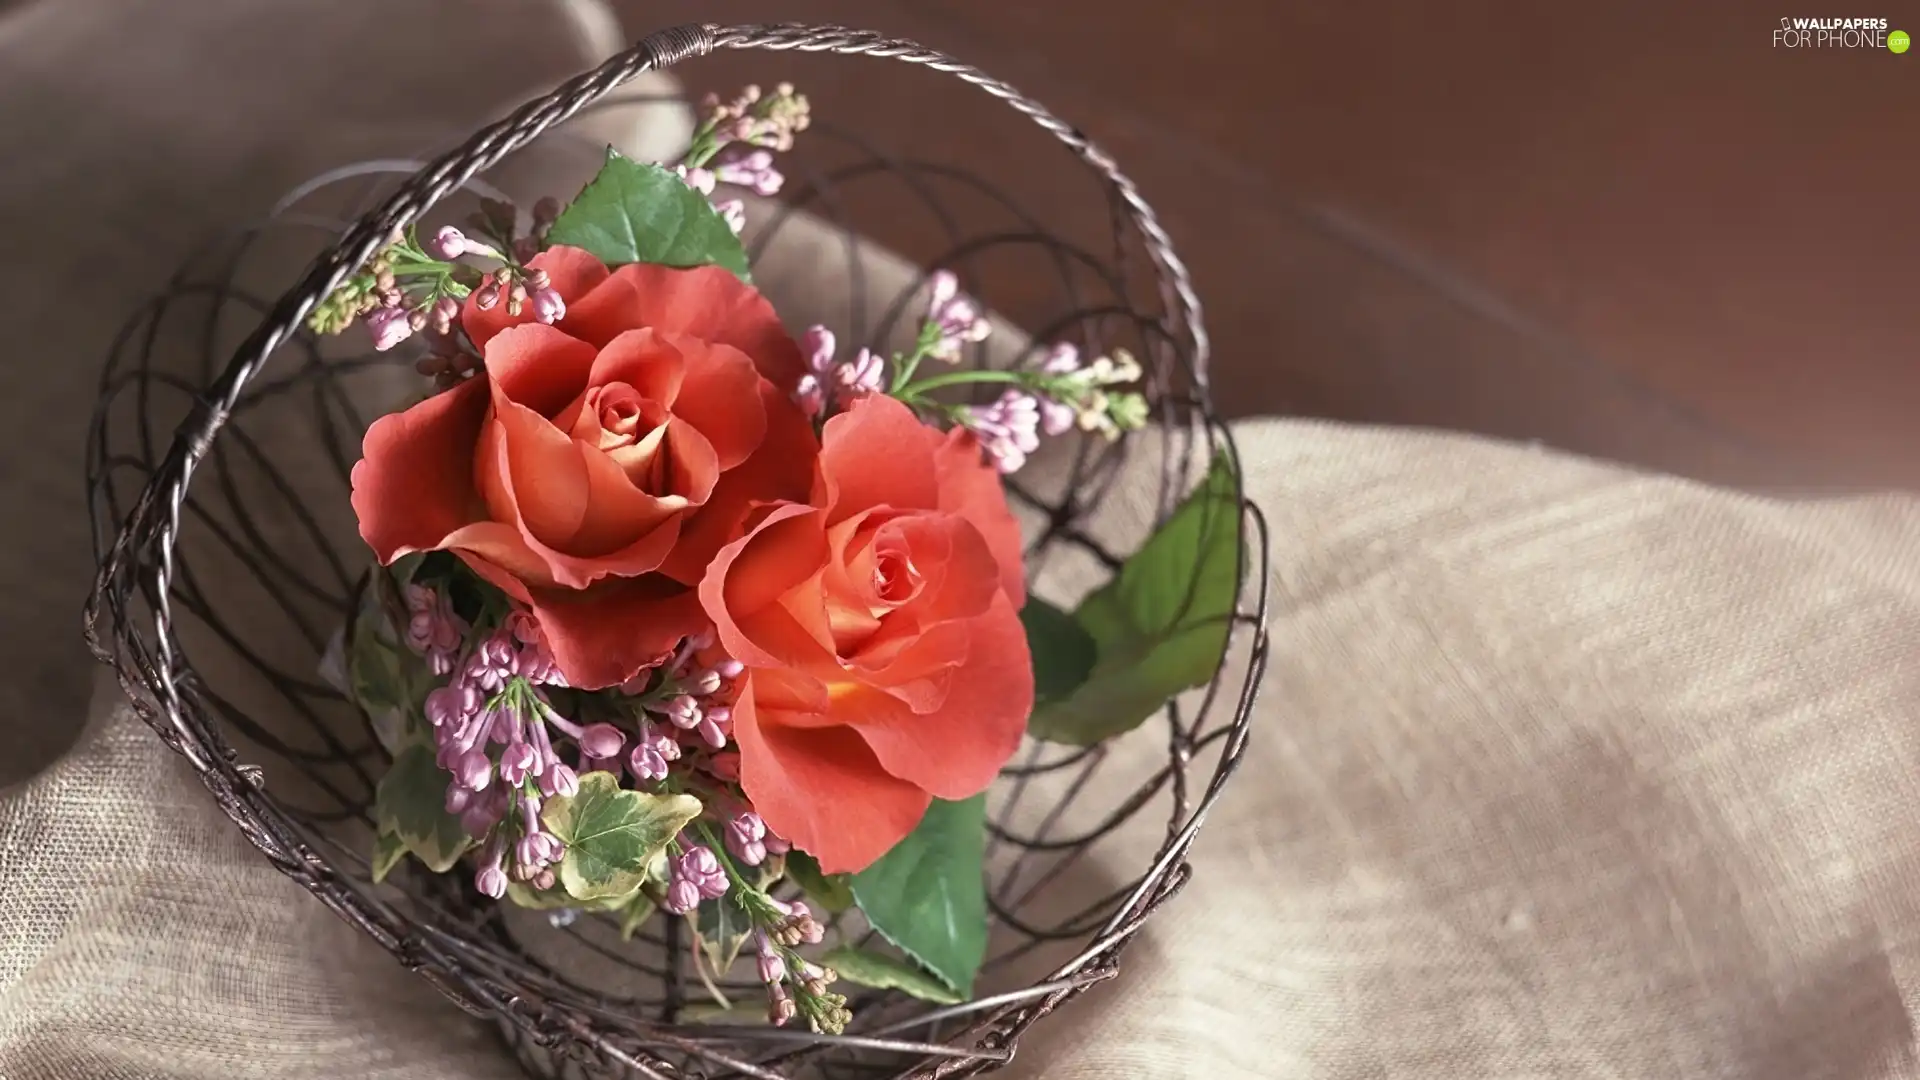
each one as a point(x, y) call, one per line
point(1559, 771)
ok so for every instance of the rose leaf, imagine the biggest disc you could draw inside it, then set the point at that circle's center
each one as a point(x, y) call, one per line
point(831, 893)
point(1160, 626)
point(613, 835)
point(410, 804)
point(928, 895)
point(881, 972)
point(635, 212)
point(1063, 652)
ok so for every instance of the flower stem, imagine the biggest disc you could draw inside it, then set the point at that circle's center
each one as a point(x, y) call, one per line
point(959, 378)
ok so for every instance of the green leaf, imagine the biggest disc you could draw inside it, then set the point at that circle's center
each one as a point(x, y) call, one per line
point(1160, 626)
point(928, 896)
point(881, 972)
point(723, 927)
point(411, 804)
point(388, 850)
point(1063, 651)
point(554, 899)
point(832, 893)
point(384, 676)
point(613, 835)
point(634, 914)
point(634, 212)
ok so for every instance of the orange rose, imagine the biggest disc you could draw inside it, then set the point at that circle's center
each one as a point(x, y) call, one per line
point(885, 662)
point(598, 464)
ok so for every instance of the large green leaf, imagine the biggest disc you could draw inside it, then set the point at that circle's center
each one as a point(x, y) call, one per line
point(384, 676)
point(882, 972)
point(633, 212)
point(1160, 626)
point(1063, 652)
point(928, 895)
point(411, 804)
point(829, 892)
point(613, 835)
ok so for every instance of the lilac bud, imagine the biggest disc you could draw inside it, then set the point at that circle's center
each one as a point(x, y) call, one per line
point(548, 307)
point(458, 799)
point(700, 180)
point(559, 779)
point(705, 683)
point(448, 244)
point(543, 880)
point(942, 287)
point(810, 395)
point(819, 344)
point(531, 851)
point(772, 968)
point(647, 762)
point(781, 1011)
point(682, 896)
point(1056, 418)
point(735, 213)
point(730, 668)
point(390, 327)
point(1062, 359)
point(473, 770)
point(601, 741)
point(491, 881)
point(864, 374)
point(745, 838)
point(684, 712)
point(712, 732)
point(516, 761)
point(545, 211)
point(486, 297)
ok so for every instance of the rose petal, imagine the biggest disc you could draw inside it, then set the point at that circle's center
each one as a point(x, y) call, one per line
point(720, 397)
point(704, 302)
point(955, 751)
point(782, 469)
point(971, 488)
point(543, 482)
point(414, 482)
point(499, 553)
point(822, 789)
point(570, 271)
point(873, 454)
point(744, 587)
point(602, 636)
point(651, 362)
point(538, 366)
point(692, 468)
point(618, 514)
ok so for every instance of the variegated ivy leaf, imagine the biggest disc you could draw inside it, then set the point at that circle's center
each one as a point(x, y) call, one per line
point(410, 804)
point(862, 967)
point(388, 850)
point(384, 676)
point(613, 835)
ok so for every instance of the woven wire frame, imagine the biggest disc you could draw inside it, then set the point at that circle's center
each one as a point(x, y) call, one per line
point(300, 784)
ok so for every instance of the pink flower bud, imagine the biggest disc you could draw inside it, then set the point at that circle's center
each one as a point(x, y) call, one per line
point(448, 244)
point(601, 741)
point(390, 327)
point(547, 306)
point(682, 896)
point(486, 297)
point(819, 344)
point(810, 395)
point(473, 770)
point(560, 779)
point(516, 761)
point(491, 881)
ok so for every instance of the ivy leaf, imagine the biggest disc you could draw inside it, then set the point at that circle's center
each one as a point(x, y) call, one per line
point(1063, 652)
point(928, 896)
point(881, 972)
point(555, 899)
point(383, 676)
point(723, 927)
point(613, 835)
point(388, 850)
point(411, 805)
point(1160, 626)
point(633, 212)
point(635, 914)
point(831, 893)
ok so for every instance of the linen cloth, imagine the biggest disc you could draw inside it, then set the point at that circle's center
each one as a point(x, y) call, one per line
point(1559, 770)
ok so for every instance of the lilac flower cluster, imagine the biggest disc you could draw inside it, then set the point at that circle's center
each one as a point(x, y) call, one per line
point(829, 382)
point(953, 320)
point(735, 143)
point(1065, 394)
point(794, 985)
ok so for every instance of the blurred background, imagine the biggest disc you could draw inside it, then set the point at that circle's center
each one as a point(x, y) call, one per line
point(1633, 229)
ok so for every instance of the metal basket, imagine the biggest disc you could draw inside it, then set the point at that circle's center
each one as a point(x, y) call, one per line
point(235, 535)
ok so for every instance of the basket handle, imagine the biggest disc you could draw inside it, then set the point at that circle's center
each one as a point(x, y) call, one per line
point(166, 492)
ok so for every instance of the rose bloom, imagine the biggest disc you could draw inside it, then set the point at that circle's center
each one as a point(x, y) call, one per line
point(886, 664)
point(596, 466)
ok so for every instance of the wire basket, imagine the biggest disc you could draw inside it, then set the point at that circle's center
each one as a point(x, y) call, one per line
point(228, 558)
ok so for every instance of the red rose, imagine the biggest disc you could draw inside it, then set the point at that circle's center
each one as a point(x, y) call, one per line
point(599, 463)
point(885, 663)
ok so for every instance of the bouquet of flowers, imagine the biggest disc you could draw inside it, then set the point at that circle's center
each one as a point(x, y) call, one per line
point(681, 616)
